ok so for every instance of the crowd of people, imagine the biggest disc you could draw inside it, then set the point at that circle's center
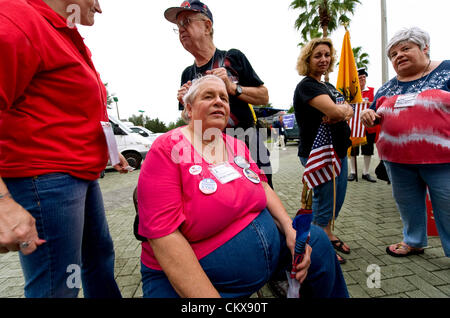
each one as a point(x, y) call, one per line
point(215, 226)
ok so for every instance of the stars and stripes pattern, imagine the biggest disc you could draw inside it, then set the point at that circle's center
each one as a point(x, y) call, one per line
point(356, 126)
point(322, 159)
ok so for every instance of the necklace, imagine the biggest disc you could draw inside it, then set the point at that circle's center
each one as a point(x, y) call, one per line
point(419, 89)
point(210, 151)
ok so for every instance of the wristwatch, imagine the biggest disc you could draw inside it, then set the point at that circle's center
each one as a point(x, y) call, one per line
point(238, 90)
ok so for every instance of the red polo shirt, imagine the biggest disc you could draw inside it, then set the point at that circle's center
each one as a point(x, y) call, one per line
point(51, 97)
point(368, 93)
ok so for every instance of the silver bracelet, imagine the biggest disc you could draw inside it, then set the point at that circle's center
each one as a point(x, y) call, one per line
point(5, 195)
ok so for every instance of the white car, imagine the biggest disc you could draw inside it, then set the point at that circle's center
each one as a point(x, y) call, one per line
point(132, 146)
point(144, 132)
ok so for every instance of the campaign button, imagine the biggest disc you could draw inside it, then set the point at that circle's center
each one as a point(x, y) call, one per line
point(251, 175)
point(195, 170)
point(241, 162)
point(208, 186)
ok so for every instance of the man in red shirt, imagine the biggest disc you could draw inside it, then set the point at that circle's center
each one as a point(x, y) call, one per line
point(52, 150)
point(367, 149)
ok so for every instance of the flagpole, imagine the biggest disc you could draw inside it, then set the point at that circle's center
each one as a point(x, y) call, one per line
point(334, 197)
point(384, 61)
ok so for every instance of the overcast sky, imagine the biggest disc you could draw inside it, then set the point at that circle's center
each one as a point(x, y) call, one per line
point(136, 51)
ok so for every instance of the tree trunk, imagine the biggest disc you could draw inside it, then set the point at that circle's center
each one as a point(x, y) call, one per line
point(325, 31)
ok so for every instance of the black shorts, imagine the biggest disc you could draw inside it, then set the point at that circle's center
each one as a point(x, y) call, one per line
point(367, 149)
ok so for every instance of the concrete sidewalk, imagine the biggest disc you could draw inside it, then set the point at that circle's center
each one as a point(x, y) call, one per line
point(369, 221)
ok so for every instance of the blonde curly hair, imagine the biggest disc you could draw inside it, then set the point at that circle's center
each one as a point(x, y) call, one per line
point(303, 67)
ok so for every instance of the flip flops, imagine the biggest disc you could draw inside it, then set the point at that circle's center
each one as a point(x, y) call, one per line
point(402, 250)
point(338, 246)
point(340, 259)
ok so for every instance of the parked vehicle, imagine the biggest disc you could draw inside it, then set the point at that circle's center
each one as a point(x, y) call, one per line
point(292, 132)
point(131, 145)
point(144, 132)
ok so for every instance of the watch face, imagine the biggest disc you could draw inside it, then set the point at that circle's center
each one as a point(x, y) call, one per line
point(238, 90)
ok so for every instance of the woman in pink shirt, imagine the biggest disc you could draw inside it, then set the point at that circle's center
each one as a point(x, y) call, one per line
point(214, 226)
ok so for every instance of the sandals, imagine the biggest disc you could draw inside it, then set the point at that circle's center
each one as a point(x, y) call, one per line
point(338, 246)
point(402, 250)
point(340, 259)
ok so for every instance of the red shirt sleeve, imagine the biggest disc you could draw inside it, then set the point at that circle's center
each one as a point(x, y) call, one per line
point(19, 62)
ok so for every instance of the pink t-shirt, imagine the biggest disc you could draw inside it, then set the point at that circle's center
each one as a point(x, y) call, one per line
point(169, 196)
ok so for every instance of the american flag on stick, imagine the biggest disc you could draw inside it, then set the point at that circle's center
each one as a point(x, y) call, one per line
point(356, 126)
point(323, 164)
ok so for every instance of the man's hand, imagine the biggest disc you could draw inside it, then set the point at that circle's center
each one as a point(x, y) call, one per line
point(183, 90)
point(17, 228)
point(223, 74)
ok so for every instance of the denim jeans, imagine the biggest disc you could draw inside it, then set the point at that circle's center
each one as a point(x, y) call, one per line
point(79, 250)
point(322, 204)
point(409, 186)
point(258, 253)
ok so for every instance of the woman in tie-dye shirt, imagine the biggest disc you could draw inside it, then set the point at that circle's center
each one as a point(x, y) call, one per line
point(413, 109)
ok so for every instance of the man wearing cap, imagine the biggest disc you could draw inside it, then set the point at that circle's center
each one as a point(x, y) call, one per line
point(195, 27)
point(367, 149)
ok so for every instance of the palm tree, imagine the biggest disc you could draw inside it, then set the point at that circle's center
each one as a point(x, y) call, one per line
point(361, 58)
point(322, 14)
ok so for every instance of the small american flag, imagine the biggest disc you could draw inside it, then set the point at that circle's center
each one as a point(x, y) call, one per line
point(322, 159)
point(357, 128)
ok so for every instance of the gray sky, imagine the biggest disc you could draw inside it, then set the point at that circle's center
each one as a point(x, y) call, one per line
point(136, 51)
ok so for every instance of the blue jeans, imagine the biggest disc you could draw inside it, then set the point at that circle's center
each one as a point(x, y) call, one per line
point(70, 216)
point(409, 186)
point(322, 204)
point(258, 253)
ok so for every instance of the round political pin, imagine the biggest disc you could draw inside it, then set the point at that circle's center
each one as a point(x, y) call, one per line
point(241, 162)
point(195, 170)
point(208, 186)
point(251, 175)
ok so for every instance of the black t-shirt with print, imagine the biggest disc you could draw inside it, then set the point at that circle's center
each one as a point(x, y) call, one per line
point(309, 118)
point(240, 69)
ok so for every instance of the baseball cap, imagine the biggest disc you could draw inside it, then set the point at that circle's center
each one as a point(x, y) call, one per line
point(189, 5)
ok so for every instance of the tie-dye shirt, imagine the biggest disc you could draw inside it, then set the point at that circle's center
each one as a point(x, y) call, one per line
point(415, 118)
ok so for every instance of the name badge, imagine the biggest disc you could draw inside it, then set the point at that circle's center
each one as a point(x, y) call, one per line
point(224, 172)
point(111, 142)
point(406, 100)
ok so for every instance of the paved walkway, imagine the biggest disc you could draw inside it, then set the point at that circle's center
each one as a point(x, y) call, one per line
point(369, 221)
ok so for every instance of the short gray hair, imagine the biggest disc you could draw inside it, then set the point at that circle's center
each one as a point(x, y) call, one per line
point(414, 35)
point(189, 97)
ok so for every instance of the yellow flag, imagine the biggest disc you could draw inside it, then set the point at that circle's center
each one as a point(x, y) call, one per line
point(348, 82)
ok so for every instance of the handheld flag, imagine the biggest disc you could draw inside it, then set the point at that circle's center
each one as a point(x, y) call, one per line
point(323, 164)
point(357, 128)
point(302, 224)
point(348, 82)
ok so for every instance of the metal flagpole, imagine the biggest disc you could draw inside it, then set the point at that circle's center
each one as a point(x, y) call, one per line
point(384, 61)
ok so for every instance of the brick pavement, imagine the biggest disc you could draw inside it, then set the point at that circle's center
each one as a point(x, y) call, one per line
point(369, 221)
